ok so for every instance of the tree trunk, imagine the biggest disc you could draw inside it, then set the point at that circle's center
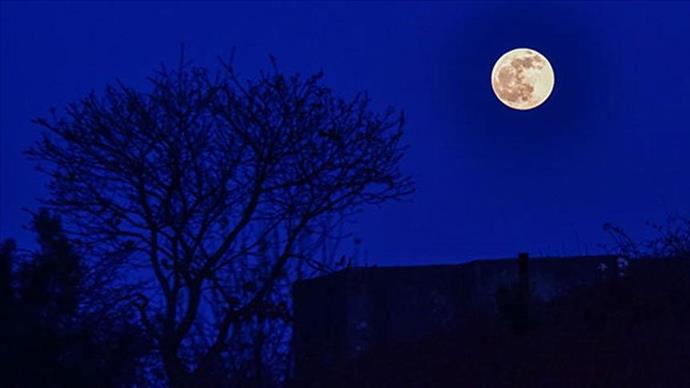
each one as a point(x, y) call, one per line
point(175, 370)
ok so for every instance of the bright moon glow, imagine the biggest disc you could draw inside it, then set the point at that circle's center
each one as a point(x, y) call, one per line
point(522, 78)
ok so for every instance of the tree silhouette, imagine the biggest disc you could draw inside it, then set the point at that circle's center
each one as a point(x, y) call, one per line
point(7, 253)
point(49, 283)
point(202, 192)
point(7, 300)
point(670, 239)
point(49, 338)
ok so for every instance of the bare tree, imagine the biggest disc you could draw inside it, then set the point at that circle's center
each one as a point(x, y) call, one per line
point(668, 239)
point(200, 195)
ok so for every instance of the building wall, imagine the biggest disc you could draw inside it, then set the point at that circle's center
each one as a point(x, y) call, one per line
point(340, 315)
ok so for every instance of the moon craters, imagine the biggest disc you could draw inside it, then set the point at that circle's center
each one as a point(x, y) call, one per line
point(522, 79)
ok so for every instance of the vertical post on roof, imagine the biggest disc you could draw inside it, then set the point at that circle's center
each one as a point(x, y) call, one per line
point(523, 272)
point(523, 289)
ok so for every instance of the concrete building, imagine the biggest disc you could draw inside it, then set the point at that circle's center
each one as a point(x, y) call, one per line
point(339, 315)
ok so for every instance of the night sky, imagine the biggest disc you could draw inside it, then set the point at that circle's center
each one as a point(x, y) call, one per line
point(610, 145)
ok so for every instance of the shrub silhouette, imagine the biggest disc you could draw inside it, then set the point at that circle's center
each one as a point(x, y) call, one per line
point(52, 334)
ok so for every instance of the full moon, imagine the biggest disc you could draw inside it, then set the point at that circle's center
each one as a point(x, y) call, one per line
point(522, 78)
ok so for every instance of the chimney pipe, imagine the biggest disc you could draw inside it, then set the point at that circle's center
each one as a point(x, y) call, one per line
point(523, 273)
point(523, 288)
point(523, 258)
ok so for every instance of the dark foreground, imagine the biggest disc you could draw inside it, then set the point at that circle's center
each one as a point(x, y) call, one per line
point(624, 331)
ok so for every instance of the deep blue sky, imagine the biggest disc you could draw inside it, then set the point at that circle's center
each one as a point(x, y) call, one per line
point(611, 144)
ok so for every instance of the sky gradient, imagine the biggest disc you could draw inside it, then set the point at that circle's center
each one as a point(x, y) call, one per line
point(610, 145)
